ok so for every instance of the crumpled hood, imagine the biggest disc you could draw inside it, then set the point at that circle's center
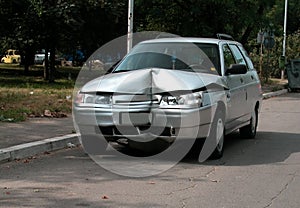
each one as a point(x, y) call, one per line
point(152, 81)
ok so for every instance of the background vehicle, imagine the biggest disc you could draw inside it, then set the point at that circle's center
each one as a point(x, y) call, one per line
point(11, 57)
point(199, 88)
point(39, 57)
point(77, 59)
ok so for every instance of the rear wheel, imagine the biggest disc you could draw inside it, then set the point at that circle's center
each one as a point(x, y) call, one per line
point(249, 131)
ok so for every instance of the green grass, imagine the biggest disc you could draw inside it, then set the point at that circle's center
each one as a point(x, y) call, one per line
point(274, 84)
point(27, 96)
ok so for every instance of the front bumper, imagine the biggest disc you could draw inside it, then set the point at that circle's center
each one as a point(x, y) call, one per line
point(144, 124)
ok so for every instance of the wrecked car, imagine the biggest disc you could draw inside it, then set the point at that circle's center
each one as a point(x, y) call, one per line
point(172, 88)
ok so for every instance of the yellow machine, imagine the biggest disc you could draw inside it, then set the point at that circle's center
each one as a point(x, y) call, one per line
point(11, 57)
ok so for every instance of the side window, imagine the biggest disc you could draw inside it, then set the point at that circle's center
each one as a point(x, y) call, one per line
point(249, 62)
point(238, 55)
point(228, 57)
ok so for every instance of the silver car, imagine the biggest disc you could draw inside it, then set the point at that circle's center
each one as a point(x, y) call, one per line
point(168, 89)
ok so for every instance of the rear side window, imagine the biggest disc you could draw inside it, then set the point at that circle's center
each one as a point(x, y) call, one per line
point(238, 55)
point(245, 54)
point(228, 56)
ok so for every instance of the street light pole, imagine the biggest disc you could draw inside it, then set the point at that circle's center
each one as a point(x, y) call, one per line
point(284, 36)
point(130, 24)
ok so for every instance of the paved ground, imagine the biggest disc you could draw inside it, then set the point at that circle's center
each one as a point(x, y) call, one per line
point(259, 173)
point(34, 129)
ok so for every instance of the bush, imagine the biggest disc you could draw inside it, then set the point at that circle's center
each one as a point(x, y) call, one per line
point(292, 52)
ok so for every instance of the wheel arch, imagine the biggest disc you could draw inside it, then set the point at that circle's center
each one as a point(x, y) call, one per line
point(257, 106)
point(221, 105)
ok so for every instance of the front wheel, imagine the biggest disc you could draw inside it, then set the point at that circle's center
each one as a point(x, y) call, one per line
point(249, 131)
point(218, 152)
point(217, 131)
point(213, 146)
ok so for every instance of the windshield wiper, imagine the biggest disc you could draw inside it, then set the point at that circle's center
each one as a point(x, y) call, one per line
point(119, 71)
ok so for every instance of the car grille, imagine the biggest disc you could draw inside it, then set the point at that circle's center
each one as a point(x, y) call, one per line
point(136, 100)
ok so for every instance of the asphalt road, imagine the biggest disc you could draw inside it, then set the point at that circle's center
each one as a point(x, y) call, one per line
point(261, 173)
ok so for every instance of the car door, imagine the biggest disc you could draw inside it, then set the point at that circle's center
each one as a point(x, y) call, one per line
point(252, 82)
point(249, 82)
point(236, 97)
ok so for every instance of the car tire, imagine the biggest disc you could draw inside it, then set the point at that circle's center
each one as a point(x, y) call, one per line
point(249, 131)
point(218, 133)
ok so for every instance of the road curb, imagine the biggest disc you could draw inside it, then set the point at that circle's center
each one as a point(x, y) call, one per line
point(273, 94)
point(33, 148)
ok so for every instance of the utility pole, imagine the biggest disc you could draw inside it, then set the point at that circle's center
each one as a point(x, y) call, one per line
point(130, 25)
point(284, 37)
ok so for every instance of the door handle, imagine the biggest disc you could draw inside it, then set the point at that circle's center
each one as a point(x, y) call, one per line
point(242, 80)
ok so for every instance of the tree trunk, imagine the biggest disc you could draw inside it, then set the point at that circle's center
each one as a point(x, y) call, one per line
point(46, 65)
point(26, 68)
point(29, 57)
point(52, 65)
point(246, 34)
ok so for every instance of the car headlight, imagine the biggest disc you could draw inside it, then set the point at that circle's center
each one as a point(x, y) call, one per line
point(191, 100)
point(84, 98)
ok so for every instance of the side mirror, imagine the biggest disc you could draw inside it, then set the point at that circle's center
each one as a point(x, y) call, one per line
point(236, 69)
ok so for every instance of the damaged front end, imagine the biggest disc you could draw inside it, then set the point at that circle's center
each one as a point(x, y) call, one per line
point(147, 105)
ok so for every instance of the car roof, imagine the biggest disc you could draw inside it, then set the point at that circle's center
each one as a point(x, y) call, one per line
point(188, 39)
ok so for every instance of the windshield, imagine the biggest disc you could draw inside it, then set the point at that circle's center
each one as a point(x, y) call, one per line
point(176, 56)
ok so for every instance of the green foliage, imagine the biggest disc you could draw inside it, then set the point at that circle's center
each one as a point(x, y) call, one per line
point(293, 46)
point(65, 25)
point(59, 25)
point(292, 52)
point(202, 17)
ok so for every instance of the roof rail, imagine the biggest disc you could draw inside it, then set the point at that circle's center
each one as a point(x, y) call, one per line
point(166, 35)
point(224, 36)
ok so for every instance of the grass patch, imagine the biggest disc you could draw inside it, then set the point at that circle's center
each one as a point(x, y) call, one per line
point(274, 85)
point(17, 104)
point(23, 96)
point(14, 115)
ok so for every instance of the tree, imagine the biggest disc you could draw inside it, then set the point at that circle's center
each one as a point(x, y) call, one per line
point(65, 25)
point(59, 19)
point(19, 28)
point(202, 18)
point(102, 21)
